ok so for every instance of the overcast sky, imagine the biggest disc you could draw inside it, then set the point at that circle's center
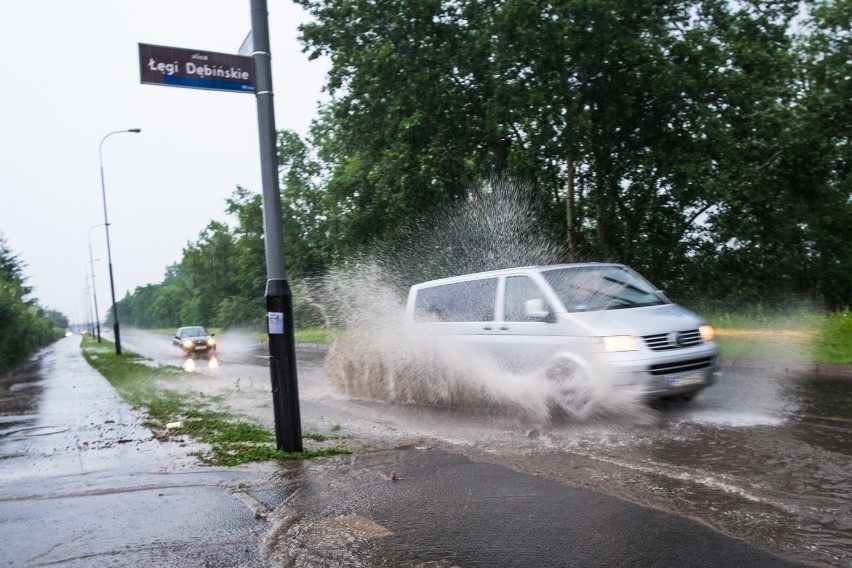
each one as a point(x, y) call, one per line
point(71, 76)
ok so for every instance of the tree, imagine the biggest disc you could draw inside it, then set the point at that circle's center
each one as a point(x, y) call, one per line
point(398, 139)
point(208, 268)
point(820, 158)
point(655, 134)
point(782, 228)
point(701, 142)
point(57, 319)
point(24, 326)
point(247, 305)
point(304, 207)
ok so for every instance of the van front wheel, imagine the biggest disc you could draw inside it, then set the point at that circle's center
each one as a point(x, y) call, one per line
point(570, 391)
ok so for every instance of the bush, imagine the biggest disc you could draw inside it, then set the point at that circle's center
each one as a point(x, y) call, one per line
point(24, 329)
point(834, 340)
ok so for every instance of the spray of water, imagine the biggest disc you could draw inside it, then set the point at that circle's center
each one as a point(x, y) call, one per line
point(378, 358)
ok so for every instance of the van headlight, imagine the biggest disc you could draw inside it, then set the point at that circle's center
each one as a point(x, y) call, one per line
point(618, 343)
point(707, 333)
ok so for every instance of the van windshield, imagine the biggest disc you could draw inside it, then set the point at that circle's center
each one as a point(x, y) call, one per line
point(593, 288)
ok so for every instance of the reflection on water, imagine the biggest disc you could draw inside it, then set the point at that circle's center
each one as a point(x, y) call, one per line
point(20, 389)
point(190, 364)
point(766, 455)
point(823, 416)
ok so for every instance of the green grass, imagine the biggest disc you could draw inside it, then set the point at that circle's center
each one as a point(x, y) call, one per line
point(237, 454)
point(305, 335)
point(232, 440)
point(323, 437)
point(802, 337)
point(833, 343)
point(312, 335)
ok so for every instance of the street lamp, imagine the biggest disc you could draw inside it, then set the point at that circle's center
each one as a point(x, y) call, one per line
point(90, 325)
point(106, 227)
point(94, 289)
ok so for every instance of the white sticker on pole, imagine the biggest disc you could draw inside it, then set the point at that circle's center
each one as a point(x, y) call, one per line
point(276, 323)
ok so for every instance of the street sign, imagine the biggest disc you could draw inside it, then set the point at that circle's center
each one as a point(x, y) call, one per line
point(194, 69)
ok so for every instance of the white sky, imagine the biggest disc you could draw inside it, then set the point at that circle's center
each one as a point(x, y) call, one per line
point(70, 76)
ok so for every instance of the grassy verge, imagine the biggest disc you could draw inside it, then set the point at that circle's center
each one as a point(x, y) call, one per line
point(814, 338)
point(313, 335)
point(232, 440)
point(833, 344)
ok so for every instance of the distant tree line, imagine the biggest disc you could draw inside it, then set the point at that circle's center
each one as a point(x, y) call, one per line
point(705, 143)
point(24, 326)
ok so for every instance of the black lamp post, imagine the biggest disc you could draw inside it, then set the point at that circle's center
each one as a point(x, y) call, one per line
point(106, 227)
point(92, 318)
point(94, 291)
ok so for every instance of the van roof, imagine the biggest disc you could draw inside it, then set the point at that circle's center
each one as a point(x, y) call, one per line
point(503, 271)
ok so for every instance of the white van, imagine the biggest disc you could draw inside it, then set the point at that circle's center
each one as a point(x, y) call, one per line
point(602, 320)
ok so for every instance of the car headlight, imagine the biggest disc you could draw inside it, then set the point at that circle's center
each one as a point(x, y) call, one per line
point(618, 343)
point(188, 344)
point(211, 342)
point(707, 333)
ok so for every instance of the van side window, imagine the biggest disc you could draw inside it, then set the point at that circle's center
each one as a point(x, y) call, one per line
point(461, 301)
point(519, 289)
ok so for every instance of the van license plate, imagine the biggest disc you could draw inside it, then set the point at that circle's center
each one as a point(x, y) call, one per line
point(685, 380)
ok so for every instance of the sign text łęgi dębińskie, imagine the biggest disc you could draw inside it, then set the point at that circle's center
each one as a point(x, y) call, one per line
point(178, 67)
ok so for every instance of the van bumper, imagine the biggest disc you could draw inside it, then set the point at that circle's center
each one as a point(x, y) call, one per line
point(664, 375)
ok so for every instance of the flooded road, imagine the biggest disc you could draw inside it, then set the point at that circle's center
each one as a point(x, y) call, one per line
point(764, 455)
point(770, 467)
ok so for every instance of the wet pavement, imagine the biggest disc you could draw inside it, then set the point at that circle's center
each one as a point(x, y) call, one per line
point(446, 510)
point(84, 483)
point(434, 487)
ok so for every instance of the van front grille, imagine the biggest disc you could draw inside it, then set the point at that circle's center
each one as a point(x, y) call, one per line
point(673, 367)
point(673, 340)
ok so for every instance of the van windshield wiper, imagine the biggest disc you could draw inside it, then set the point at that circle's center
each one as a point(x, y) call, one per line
point(600, 293)
point(627, 285)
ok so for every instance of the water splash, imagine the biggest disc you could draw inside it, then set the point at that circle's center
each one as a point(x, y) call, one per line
point(500, 224)
point(378, 358)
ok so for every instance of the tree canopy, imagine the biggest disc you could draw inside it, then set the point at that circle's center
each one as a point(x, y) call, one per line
point(24, 325)
point(705, 143)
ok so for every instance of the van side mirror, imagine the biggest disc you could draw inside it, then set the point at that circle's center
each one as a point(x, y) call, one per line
point(536, 309)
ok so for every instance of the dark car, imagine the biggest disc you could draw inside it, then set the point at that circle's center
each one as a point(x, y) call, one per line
point(194, 339)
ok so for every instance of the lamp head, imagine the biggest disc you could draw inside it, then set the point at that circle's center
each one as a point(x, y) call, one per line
point(135, 130)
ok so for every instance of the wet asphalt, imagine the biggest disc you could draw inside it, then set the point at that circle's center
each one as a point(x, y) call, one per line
point(84, 483)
